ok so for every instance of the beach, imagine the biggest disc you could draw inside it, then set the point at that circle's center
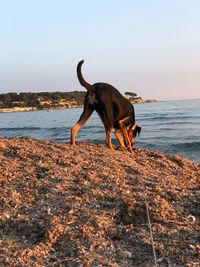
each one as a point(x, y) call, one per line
point(85, 205)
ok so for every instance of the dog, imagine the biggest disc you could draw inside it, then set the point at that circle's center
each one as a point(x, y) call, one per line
point(114, 110)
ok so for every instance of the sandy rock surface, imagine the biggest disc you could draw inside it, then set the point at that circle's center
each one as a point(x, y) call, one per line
point(85, 206)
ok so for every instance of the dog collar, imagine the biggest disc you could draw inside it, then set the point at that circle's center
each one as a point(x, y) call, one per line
point(130, 131)
point(133, 127)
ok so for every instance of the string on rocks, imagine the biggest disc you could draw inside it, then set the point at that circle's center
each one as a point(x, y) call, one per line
point(150, 228)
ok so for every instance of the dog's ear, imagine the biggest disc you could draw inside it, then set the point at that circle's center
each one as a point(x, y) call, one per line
point(138, 130)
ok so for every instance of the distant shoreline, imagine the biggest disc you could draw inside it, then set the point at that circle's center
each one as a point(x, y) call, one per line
point(28, 109)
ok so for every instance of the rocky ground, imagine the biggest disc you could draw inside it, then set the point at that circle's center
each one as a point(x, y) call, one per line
point(86, 206)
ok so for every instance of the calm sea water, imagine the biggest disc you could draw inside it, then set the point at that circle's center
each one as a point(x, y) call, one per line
point(171, 127)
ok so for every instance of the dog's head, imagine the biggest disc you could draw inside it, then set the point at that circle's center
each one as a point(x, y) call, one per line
point(133, 131)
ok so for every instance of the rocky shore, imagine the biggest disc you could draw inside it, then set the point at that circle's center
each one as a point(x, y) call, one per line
point(15, 109)
point(69, 106)
point(86, 206)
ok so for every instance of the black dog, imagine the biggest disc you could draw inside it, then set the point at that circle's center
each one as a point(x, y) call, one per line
point(114, 110)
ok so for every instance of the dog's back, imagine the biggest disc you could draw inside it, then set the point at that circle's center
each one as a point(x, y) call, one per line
point(110, 99)
point(105, 99)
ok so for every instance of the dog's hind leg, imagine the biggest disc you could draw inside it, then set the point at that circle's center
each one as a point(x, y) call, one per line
point(109, 137)
point(87, 112)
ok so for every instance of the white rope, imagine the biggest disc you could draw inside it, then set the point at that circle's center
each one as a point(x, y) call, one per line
point(150, 230)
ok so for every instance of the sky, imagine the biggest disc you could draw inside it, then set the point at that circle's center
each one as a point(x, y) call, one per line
point(150, 47)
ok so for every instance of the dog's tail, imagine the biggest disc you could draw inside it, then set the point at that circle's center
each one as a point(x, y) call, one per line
point(82, 81)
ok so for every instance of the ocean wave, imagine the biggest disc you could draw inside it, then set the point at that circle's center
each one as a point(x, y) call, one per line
point(20, 128)
point(169, 118)
point(32, 128)
point(189, 146)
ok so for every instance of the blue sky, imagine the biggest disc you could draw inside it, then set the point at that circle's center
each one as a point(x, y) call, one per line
point(151, 47)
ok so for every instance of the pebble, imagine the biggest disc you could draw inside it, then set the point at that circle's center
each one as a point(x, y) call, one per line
point(125, 254)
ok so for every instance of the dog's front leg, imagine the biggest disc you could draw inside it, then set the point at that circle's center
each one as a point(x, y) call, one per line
point(118, 135)
point(125, 134)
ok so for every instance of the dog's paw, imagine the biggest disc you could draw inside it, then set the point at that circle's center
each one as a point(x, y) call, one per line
point(122, 148)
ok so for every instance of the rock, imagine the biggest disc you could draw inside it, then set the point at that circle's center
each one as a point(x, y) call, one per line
point(125, 254)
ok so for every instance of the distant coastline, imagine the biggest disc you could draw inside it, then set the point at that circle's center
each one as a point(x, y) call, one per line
point(28, 109)
point(21, 102)
point(24, 102)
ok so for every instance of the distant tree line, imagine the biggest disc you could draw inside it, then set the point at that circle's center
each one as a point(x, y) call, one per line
point(10, 100)
point(37, 100)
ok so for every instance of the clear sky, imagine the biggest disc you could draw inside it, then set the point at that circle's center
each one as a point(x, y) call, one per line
point(151, 47)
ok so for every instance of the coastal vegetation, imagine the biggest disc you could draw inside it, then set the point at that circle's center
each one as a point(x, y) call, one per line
point(26, 101)
point(41, 100)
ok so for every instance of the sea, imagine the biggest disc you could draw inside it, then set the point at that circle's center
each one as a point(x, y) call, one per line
point(172, 127)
